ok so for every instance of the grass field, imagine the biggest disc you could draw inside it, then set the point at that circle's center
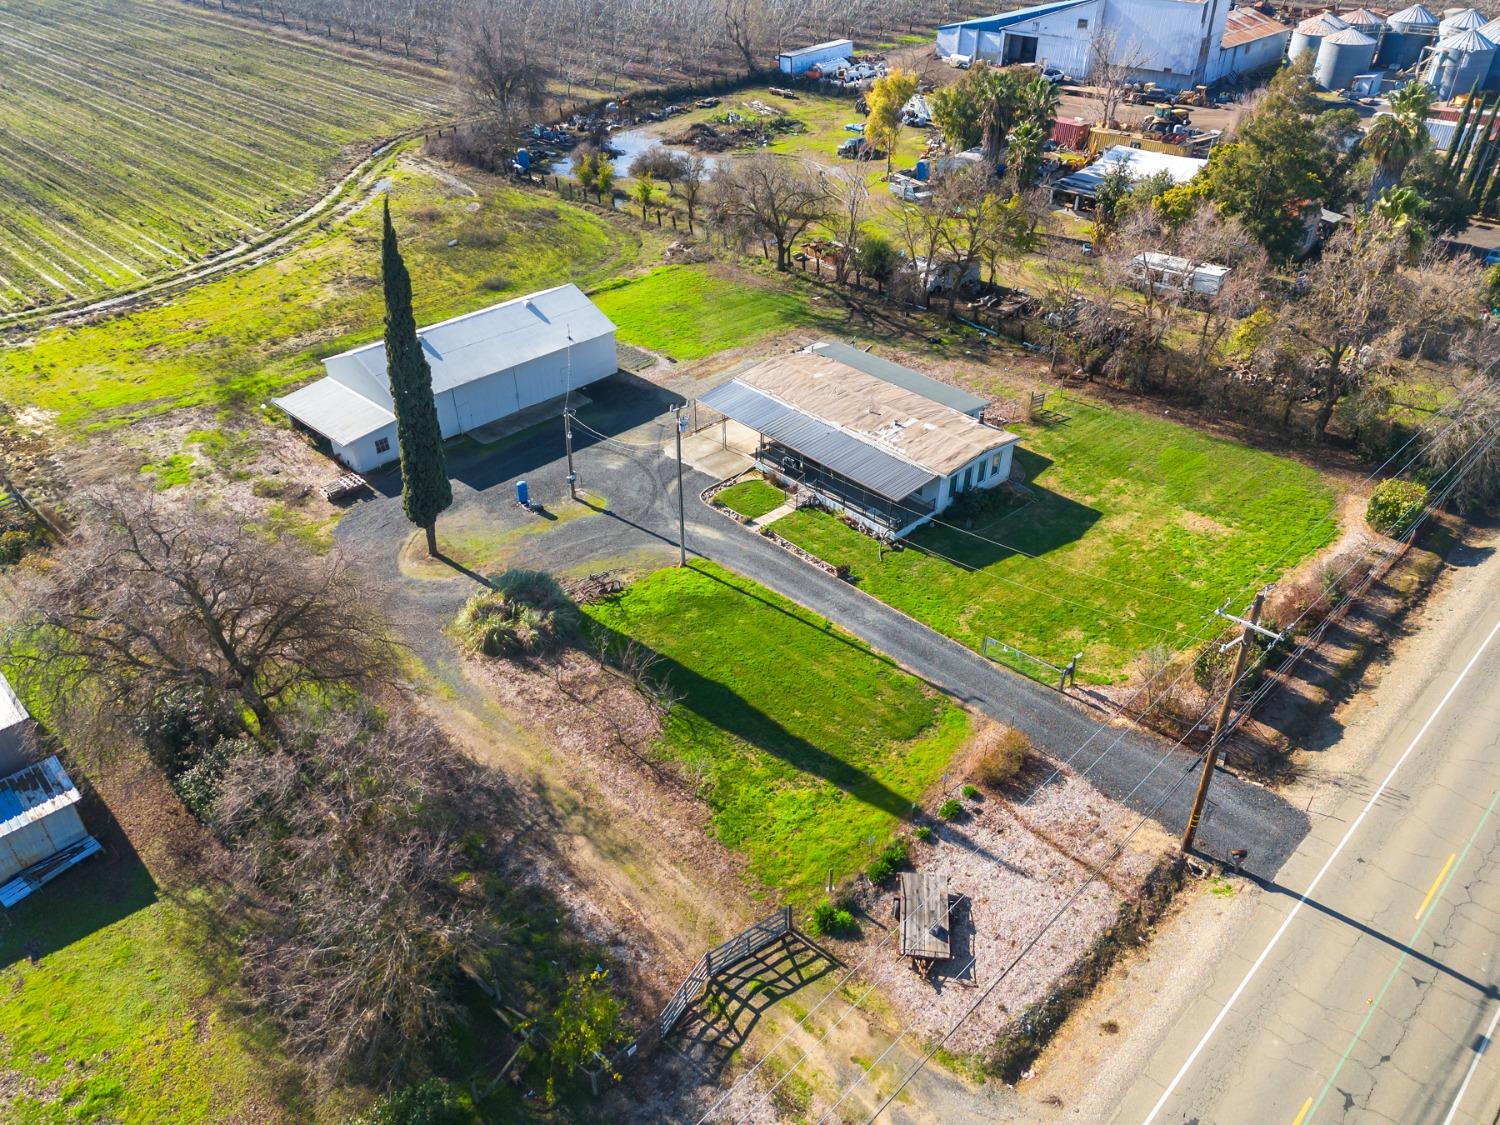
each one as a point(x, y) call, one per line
point(142, 135)
point(688, 312)
point(242, 338)
point(1140, 528)
point(752, 498)
point(818, 745)
point(116, 1020)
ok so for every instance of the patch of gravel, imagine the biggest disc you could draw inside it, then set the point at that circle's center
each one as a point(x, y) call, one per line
point(1015, 865)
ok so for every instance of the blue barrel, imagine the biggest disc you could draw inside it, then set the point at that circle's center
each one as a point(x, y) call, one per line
point(523, 158)
point(523, 494)
point(923, 171)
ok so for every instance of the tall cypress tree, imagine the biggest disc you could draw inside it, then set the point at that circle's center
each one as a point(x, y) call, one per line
point(425, 490)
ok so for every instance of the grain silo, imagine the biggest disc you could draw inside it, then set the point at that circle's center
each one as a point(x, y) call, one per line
point(1460, 19)
point(1341, 56)
point(1311, 32)
point(1408, 33)
point(1459, 64)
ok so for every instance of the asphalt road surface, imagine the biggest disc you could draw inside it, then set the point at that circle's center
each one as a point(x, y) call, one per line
point(1364, 986)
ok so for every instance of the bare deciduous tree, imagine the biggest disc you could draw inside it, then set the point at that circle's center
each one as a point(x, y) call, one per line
point(352, 830)
point(149, 597)
point(1112, 66)
point(774, 198)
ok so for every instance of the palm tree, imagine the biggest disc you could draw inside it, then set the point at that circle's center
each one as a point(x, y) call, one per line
point(1393, 141)
point(1039, 102)
point(1402, 208)
point(1412, 102)
point(1024, 155)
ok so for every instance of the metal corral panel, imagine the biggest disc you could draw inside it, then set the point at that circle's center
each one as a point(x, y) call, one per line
point(904, 377)
point(844, 454)
point(37, 816)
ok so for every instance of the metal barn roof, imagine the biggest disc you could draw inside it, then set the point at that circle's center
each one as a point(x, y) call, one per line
point(880, 472)
point(1020, 15)
point(33, 794)
point(478, 344)
point(904, 377)
point(335, 411)
point(1246, 25)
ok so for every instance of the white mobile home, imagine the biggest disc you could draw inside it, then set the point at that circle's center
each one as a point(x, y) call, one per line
point(486, 366)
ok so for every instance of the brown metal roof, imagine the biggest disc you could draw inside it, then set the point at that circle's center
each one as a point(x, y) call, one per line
point(909, 425)
point(1245, 25)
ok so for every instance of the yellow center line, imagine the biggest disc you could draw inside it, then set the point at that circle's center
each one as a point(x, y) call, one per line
point(1302, 1113)
point(1436, 883)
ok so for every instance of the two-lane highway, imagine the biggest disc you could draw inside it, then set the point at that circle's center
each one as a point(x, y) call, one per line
point(1364, 987)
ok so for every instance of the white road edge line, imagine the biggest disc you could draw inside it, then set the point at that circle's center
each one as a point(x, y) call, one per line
point(1327, 863)
point(1473, 1066)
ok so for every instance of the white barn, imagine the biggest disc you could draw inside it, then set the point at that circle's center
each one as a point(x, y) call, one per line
point(1174, 43)
point(486, 366)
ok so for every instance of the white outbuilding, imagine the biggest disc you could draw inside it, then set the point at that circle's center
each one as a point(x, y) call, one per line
point(487, 366)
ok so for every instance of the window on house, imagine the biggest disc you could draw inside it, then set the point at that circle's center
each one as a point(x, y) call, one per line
point(995, 463)
point(382, 445)
point(1083, 23)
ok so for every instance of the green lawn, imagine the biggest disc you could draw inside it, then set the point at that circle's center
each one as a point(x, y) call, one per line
point(116, 1019)
point(143, 135)
point(1140, 527)
point(245, 337)
point(688, 312)
point(808, 744)
point(752, 498)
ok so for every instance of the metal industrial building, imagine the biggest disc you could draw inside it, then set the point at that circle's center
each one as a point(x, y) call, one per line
point(1174, 43)
point(892, 449)
point(486, 366)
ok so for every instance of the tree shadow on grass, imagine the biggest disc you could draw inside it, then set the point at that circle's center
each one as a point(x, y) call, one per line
point(720, 705)
point(1044, 523)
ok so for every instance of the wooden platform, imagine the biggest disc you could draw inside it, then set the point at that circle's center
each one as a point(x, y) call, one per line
point(924, 916)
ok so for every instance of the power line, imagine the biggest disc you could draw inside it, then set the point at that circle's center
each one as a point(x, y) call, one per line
point(1462, 465)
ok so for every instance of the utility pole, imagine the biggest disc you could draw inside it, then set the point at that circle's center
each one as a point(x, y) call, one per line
point(681, 498)
point(1211, 754)
point(568, 442)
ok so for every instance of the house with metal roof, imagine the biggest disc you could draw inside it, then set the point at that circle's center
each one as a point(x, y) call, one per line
point(1174, 43)
point(41, 833)
point(878, 449)
point(486, 366)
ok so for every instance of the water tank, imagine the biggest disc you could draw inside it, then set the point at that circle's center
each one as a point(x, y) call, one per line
point(1341, 56)
point(1310, 33)
point(1459, 64)
point(1491, 31)
point(1407, 33)
point(1461, 19)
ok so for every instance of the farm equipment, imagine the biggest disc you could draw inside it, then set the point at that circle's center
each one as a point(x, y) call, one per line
point(1143, 93)
point(1198, 95)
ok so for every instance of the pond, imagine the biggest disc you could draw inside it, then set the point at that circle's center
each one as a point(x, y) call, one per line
point(630, 143)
